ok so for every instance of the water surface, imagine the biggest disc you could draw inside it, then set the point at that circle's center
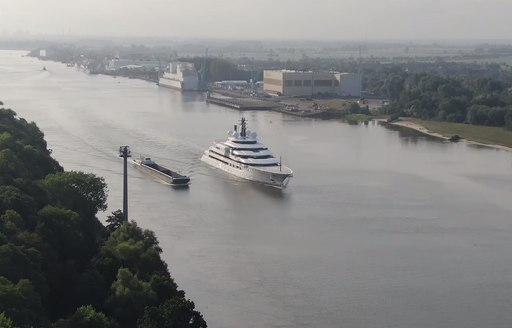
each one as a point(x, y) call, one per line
point(379, 227)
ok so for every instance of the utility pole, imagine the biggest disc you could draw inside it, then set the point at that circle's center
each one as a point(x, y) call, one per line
point(124, 152)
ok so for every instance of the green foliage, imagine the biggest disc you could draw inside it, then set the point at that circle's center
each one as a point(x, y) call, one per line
point(115, 220)
point(130, 296)
point(478, 133)
point(12, 198)
point(131, 247)
point(5, 322)
point(87, 317)
point(11, 222)
point(175, 312)
point(221, 69)
point(57, 261)
point(484, 115)
point(393, 117)
point(354, 108)
point(358, 118)
point(21, 303)
point(508, 120)
point(18, 262)
point(10, 166)
point(164, 286)
point(394, 86)
point(83, 192)
point(60, 228)
point(434, 97)
point(27, 141)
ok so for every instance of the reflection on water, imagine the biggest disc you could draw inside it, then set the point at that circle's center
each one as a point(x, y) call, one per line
point(379, 227)
point(180, 188)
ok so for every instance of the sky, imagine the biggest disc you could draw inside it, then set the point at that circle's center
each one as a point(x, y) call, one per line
point(261, 19)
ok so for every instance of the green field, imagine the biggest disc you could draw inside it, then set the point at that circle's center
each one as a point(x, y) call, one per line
point(359, 118)
point(478, 133)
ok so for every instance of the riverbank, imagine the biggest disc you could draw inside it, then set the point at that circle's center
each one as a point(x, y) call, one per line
point(487, 136)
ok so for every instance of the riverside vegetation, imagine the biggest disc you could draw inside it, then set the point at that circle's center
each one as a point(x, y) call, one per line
point(479, 101)
point(59, 266)
point(479, 109)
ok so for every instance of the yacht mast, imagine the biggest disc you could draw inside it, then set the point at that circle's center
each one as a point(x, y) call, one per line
point(243, 128)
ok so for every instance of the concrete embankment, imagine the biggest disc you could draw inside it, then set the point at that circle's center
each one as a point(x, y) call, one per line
point(240, 103)
point(247, 103)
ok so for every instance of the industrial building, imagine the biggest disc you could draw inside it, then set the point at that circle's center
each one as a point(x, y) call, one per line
point(308, 83)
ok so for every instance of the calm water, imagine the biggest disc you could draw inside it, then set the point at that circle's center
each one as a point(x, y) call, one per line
point(378, 228)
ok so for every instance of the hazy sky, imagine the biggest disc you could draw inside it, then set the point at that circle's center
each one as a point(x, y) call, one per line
point(309, 19)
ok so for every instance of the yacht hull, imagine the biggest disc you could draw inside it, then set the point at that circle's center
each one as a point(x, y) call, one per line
point(274, 178)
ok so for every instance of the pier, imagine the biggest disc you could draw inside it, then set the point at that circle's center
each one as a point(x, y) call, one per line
point(240, 103)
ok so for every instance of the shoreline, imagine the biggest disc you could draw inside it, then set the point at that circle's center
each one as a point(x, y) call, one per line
point(420, 128)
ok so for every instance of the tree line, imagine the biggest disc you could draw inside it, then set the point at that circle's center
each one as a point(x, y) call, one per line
point(59, 266)
point(480, 101)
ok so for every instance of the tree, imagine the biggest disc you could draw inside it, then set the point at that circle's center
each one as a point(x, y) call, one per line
point(12, 198)
point(354, 108)
point(497, 116)
point(11, 167)
point(394, 86)
point(131, 247)
point(447, 91)
point(115, 220)
point(130, 296)
point(508, 119)
point(85, 193)
point(5, 322)
point(18, 262)
point(176, 312)
point(11, 222)
point(452, 110)
point(25, 133)
point(87, 317)
point(21, 303)
point(493, 86)
point(70, 247)
point(477, 114)
point(60, 228)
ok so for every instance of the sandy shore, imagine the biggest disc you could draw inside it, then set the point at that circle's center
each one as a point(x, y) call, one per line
point(424, 130)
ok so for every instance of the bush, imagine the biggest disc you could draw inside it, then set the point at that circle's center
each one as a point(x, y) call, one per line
point(393, 117)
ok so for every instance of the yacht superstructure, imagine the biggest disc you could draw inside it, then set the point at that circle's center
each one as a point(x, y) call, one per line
point(242, 155)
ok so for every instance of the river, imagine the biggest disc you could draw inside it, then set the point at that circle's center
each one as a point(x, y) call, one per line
point(379, 227)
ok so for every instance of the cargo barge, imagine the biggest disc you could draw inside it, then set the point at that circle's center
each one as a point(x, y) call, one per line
point(173, 178)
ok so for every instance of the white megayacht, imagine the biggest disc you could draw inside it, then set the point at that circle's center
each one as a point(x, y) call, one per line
point(243, 156)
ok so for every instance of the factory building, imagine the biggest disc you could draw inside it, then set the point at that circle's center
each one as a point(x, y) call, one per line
point(308, 83)
point(350, 84)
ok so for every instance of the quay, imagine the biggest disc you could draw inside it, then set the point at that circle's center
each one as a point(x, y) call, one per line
point(240, 103)
point(307, 113)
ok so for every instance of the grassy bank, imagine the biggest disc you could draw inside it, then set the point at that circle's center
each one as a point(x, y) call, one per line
point(478, 133)
point(359, 118)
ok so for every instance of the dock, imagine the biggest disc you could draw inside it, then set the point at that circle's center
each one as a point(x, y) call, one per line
point(240, 103)
point(325, 113)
